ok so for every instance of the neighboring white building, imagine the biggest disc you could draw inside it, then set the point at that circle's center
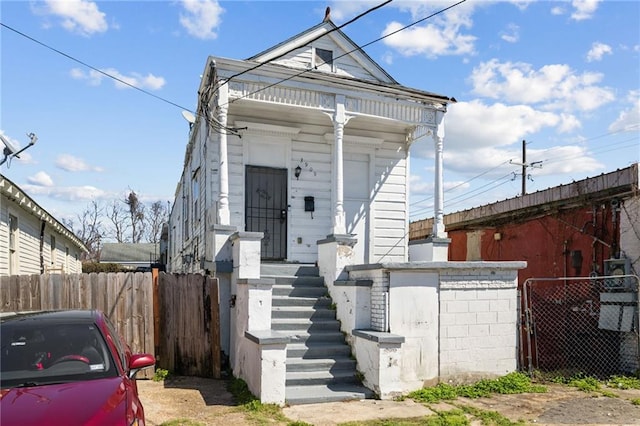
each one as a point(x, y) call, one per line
point(31, 240)
point(307, 139)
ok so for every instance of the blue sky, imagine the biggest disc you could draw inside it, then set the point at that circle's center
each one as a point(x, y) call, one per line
point(564, 76)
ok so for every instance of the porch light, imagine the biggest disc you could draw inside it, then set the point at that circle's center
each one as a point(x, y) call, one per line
point(297, 172)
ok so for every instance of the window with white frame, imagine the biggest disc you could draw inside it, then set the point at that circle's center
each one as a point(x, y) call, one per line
point(195, 191)
point(323, 59)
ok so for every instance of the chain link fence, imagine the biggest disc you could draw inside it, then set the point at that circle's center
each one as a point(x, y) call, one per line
point(581, 326)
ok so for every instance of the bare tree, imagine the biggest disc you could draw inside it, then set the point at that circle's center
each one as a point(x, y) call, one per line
point(136, 216)
point(157, 215)
point(117, 215)
point(90, 229)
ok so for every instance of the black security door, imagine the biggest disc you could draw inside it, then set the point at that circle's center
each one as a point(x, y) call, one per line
point(266, 209)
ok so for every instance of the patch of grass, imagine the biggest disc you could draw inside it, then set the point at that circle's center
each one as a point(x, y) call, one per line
point(510, 384)
point(240, 391)
point(160, 374)
point(635, 401)
point(182, 422)
point(584, 383)
point(257, 412)
point(623, 382)
point(490, 417)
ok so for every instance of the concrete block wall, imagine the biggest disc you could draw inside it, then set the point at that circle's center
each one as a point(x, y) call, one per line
point(478, 323)
point(379, 295)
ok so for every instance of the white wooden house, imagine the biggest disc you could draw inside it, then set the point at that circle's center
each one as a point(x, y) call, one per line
point(307, 139)
point(295, 195)
point(32, 241)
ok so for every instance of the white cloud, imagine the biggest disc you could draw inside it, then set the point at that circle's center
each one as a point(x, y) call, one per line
point(430, 40)
point(201, 18)
point(597, 51)
point(69, 193)
point(40, 179)
point(584, 9)
point(557, 10)
point(629, 119)
point(77, 16)
point(70, 163)
point(512, 34)
point(554, 86)
point(563, 160)
point(476, 125)
point(94, 78)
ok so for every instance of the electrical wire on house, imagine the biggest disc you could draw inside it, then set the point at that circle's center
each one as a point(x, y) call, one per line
point(357, 49)
point(214, 124)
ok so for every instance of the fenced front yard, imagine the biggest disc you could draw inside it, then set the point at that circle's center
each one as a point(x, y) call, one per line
point(174, 317)
point(584, 326)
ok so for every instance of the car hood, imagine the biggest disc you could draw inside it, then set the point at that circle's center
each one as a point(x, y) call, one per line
point(91, 402)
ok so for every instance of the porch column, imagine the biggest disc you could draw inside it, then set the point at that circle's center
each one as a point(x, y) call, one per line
point(223, 171)
point(438, 209)
point(340, 119)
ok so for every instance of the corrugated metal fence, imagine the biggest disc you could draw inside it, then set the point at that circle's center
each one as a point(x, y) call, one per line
point(174, 317)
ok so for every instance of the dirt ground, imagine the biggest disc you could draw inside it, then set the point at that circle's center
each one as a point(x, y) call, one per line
point(207, 401)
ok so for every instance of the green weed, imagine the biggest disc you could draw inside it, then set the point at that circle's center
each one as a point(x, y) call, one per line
point(160, 374)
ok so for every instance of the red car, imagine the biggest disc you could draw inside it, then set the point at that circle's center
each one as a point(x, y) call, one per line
point(67, 368)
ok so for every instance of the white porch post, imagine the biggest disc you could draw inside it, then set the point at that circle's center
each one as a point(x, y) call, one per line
point(438, 213)
point(340, 119)
point(223, 178)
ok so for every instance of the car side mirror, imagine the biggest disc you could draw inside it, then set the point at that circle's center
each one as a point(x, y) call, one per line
point(139, 362)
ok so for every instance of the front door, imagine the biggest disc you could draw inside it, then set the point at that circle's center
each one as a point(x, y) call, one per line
point(266, 209)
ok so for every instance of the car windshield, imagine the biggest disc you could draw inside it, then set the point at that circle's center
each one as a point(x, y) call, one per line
point(36, 353)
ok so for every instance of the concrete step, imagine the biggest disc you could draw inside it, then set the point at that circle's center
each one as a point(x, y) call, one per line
point(312, 378)
point(316, 302)
point(336, 363)
point(304, 325)
point(296, 269)
point(319, 350)
point(296, 395)
point(320, 336)
point(299, 291)
point(302, 312)
point(297, 281)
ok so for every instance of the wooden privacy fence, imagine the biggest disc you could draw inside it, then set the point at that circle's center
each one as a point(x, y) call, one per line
point(174, 317)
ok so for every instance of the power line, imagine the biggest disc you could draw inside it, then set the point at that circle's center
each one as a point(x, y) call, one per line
point(106, 74)
point(307, 43)
point(358, 48)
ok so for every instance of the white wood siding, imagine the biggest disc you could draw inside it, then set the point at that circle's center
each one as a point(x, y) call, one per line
point(343, 64)
point(28, 244)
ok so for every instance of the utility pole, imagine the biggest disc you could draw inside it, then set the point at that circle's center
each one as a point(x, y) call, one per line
point(525, 176)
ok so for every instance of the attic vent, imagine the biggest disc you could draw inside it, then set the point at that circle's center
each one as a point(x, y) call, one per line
point(323, 59)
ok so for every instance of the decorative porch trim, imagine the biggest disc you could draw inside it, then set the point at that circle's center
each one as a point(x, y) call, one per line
point(267, 129)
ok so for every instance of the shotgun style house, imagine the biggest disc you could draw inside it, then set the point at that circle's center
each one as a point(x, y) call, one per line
point(294, 194)
point(31, 240)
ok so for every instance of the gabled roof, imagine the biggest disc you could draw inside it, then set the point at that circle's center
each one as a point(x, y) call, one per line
point(124, 253)
point(26, 203)
point(330, 34)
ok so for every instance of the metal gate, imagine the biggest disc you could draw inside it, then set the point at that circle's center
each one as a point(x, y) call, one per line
point(581, 325)
point(266, 209)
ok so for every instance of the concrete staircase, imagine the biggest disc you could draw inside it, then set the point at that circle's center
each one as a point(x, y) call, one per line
point(319, 363)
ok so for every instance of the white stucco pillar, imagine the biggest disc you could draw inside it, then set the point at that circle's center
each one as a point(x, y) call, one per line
point(223, 167)
point(438, 209)
point(340, 119)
